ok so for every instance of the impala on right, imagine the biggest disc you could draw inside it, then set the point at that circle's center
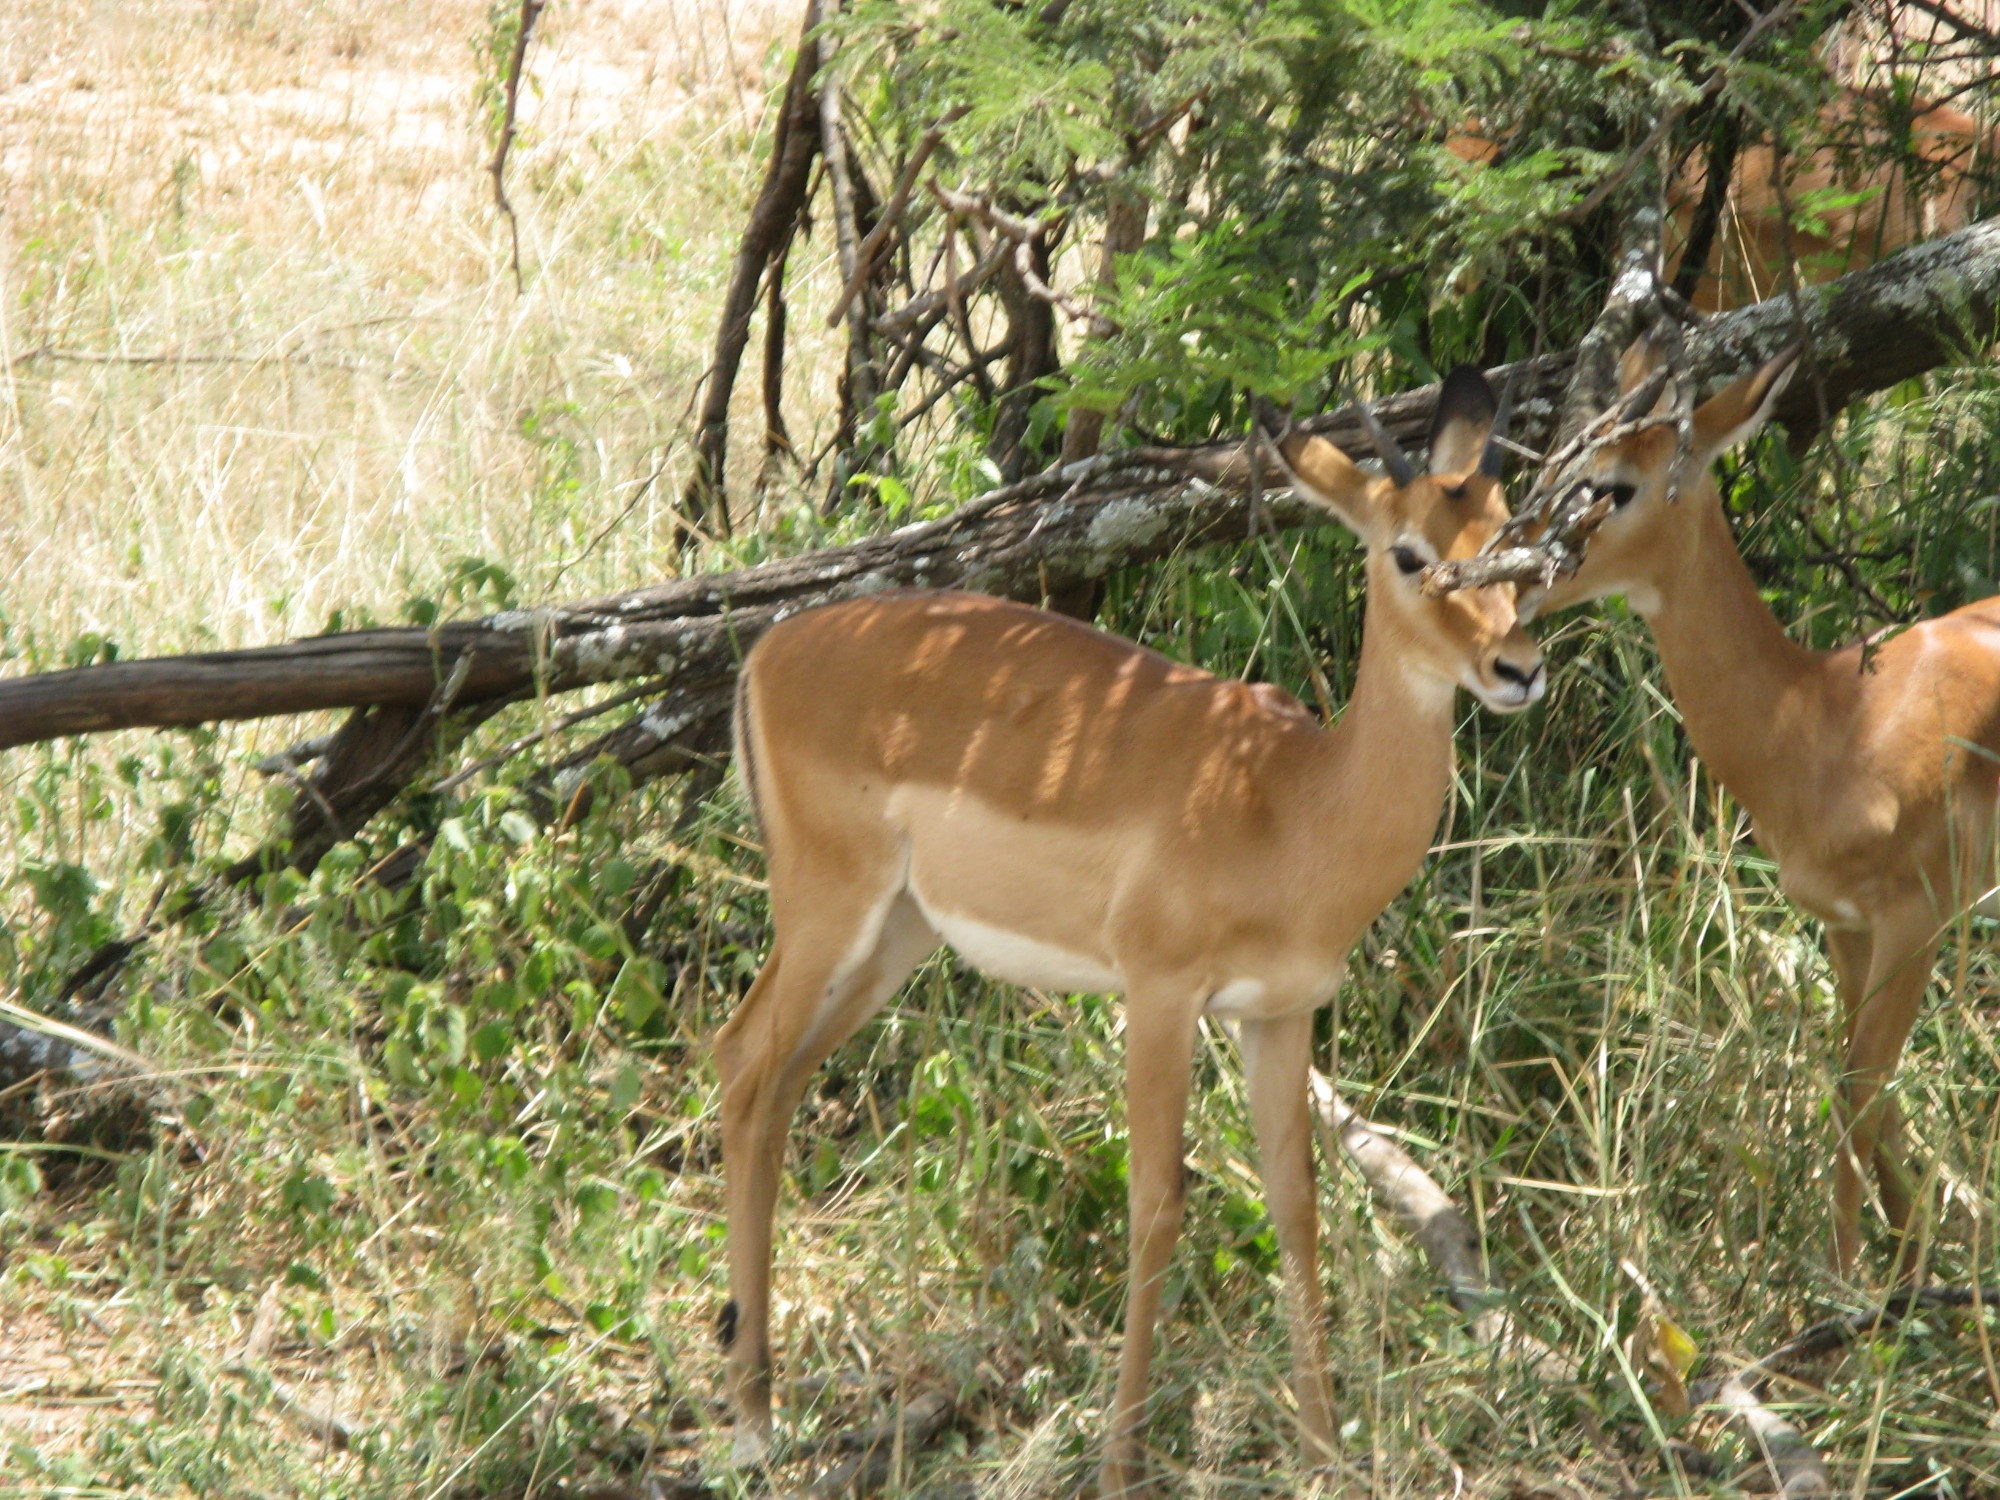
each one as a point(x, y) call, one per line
point(1869, 774)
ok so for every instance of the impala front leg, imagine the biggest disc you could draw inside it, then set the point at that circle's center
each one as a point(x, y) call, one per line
point(1849, 950)
point(1159, 1052)
point(1277, 1057)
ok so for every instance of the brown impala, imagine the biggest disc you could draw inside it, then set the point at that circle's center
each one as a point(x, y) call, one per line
point(1872, 782)
point(1069, 810)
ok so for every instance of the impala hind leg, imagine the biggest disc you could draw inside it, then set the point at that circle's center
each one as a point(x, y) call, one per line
point(811, 995)
point(1899, 971)
point(1277, 1057)
point(1849, 951)
point(1159, 1053)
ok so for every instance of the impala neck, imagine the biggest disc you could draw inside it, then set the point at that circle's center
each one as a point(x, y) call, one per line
point(1387, 766)
point(1740, 682)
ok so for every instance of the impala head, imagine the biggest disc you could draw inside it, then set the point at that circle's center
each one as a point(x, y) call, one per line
point(1646, 539)
point(1409, 520)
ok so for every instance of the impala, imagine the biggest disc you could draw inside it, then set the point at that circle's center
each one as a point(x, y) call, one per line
point(1870, 778)
point(1872, 185)
point(1069, 810)
point(1857, 199)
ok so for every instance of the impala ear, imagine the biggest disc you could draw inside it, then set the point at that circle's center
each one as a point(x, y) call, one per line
point(1641, 358)
point(1327, 477)
point(1465, 412)
point(1734, 414)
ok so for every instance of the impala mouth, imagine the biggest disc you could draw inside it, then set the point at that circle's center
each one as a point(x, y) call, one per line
point(1512, 688)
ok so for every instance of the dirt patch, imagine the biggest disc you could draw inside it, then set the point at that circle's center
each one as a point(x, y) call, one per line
point(178, 101)
point(57, 1383)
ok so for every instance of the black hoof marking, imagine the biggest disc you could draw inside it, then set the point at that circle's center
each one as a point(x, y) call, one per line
point(725, 1325)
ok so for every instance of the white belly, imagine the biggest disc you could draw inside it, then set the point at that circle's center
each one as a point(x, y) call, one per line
point(1238, 999)
point(1022, 960)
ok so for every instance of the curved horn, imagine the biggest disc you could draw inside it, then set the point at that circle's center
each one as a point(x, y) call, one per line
point(1495, 454)
point(1393, 458)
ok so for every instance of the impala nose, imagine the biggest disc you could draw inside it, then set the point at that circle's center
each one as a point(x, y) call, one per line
point(1527, 681)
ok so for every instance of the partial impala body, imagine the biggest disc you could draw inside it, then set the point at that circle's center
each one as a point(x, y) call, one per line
point(1871, 779)
point(1856, 200)
point(1866, 191)
point(1069, 810)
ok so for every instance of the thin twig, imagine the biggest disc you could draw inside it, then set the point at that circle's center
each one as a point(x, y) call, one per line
point(531, 12)
point(962, 320)
point(528, 741)
point(925, 304)
point(1026, 234)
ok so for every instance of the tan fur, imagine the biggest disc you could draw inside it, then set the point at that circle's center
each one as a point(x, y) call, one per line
point(1854, 200)
point(1871, 783)
point(1852, 204)
point(1073, 807)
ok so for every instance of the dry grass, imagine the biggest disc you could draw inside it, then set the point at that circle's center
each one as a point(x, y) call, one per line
point(261, 356)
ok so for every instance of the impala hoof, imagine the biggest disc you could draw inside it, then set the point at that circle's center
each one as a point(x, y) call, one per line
point(750, 1448)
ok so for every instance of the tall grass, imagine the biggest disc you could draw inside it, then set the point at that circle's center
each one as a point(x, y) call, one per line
point(264, 369)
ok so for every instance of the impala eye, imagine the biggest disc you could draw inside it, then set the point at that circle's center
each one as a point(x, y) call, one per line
point(1621, 494)
point(1407, 559)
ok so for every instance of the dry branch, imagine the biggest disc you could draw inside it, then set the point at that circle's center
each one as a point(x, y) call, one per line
point(856, 275)
point(1838, 1332)
point(1423, 1208)
point(1428, 1214)
point(1793, 1461)
point(859, 388)
point(1633, 305)
point(781, 202)
point(873, 1457)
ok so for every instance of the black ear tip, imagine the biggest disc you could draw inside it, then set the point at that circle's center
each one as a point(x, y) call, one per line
point(1467, 393)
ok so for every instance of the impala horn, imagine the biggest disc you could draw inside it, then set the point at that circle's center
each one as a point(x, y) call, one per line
point(1393, 458)
point(1495, 454)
